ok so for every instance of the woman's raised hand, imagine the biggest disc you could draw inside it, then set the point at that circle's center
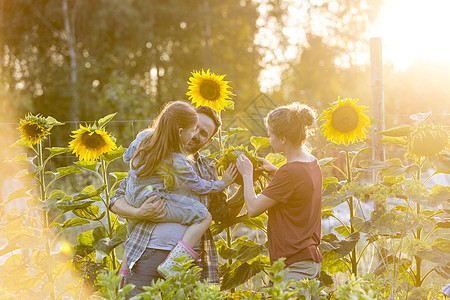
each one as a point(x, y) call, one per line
point(230, 175)
point(266, 166)
point(244, 165)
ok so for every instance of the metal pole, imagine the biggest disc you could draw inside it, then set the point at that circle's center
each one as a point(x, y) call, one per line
point(376, 68)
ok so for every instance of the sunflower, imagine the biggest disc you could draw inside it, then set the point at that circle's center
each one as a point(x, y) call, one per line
point(230, 157)
point(34, 128)
point(89, 143)
point(428, 140)
point(345, 122)
point(209, 89)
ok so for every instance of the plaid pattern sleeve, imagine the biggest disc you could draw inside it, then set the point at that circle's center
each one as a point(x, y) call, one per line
point(137, 241)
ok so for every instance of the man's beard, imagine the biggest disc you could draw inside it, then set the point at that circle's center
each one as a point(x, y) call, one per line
point(193, 146)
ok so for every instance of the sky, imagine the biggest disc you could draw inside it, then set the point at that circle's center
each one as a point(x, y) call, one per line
point(409, 29)
point(414, 29)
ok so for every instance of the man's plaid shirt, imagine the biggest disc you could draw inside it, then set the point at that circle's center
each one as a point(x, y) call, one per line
point(138, 240)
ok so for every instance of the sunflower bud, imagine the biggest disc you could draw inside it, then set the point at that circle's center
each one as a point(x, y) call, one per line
point(34, 128)
point(428, 141)
point(230, 157)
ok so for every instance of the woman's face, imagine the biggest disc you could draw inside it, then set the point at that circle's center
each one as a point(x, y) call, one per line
point(187, 133)
point(275, 141)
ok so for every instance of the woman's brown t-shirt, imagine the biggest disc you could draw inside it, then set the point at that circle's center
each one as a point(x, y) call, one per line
point(294, 224)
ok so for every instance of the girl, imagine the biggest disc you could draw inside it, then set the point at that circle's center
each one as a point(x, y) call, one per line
point(293, 197)
point(158, 166)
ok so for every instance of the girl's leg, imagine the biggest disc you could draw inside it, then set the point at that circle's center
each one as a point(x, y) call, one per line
point(123, 270)
point(194, 233)
point(184, 247)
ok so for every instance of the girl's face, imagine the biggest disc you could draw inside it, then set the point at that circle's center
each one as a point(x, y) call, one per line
point(275, 141)
point(187, 133)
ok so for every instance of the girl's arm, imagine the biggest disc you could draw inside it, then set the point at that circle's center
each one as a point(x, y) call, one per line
point(184, 172)
point(256, 204)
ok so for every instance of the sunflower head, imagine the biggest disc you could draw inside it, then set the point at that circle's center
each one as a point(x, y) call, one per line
point(345, 122)
point(34, 128)
point(230, 157)
point(89, 142)
point(209, 89)
point(428, 141)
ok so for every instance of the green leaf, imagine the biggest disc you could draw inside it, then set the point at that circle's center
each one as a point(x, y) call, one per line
point(276, 159)
point(68, 205)
point(113, 154)
point(399, 131)
point(89, 192)
point(22, 143)
point(402, 141)
point(259, 142)
point(239, 273)
point(88, 165)
point(56, 194)
point(229, 104)
point(90, 212)
point(63, 171)
point(74, 222)
point(24, 192)
point(106, 245)
point(57, 150)
point(329, 180)
point(224, 251)
point(439, 194)
point(85, 238)
point(327, 161)
point(53, 122)
point(421, 117)
point(103, 121)
point(21, 159)
point(119, 175)
point(343, 230)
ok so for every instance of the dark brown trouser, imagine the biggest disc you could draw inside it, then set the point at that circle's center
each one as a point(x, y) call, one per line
point(145, 270)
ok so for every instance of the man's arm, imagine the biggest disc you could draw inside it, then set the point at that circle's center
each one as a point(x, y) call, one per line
point(149, 210)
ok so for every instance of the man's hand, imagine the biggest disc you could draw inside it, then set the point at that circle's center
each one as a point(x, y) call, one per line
point(150, 210)
point(230, 175)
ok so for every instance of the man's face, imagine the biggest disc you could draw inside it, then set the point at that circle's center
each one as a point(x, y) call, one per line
point(203, 133)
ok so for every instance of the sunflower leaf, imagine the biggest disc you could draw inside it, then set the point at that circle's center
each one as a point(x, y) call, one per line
point(89, 192)
point(119, 175)
point(276, 159)
point(229, 104)
point(421, 117)
point(259, 142)
point(103, 121)
point(22, 143)
point(24, 192)
point(63, 171)
point(113, 154)
point(57, 150)
point(399, 131)
point(88, 165)
point(21, 159)
point(52, 122)
point(327, 161)
point(74, 222)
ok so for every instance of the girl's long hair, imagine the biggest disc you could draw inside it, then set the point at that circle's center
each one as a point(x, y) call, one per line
point(165, 138)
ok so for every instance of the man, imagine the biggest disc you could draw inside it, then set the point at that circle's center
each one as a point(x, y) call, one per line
point(146, 261)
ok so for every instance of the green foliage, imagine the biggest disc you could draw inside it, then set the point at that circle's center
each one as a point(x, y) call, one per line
point(109, 282)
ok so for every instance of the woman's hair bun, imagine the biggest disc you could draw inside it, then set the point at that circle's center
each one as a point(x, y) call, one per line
point(305, 114)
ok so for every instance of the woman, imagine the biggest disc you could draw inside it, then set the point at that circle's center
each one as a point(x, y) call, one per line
point(293, 197)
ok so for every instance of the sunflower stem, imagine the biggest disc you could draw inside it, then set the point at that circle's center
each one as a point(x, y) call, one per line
point(108, 213)
point(353, 255)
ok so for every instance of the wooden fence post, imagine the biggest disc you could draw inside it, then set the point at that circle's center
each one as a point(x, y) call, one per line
point(376, 70)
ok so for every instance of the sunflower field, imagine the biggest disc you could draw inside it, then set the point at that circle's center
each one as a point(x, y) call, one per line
point(397, 249)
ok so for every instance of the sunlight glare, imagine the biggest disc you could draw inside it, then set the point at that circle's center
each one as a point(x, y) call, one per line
point(414, 29)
